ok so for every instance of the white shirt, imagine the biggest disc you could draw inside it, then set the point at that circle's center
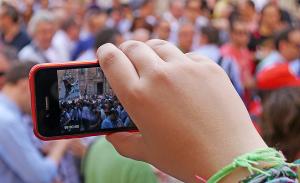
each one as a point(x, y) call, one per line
point(62, 41)
point(52, 54)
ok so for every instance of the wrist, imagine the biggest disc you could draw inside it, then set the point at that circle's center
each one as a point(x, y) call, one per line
point(261, 162)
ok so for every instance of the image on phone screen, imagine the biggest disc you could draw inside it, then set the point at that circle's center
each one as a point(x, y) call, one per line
point(87, 103)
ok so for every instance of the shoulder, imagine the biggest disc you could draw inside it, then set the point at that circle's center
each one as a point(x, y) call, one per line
point(9, 120)
point(24, 35)
point(26, 52)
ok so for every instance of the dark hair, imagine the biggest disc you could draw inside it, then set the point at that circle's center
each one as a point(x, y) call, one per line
point(281, 121)
point(251, 4)
point(107, 35)
point(283, 36)
point(270, 5)
point(18, 71)
point(211, 33)
point(233, 22)
point(11, 11)
point(203, 4)
point(140, 22)
point(70, 22)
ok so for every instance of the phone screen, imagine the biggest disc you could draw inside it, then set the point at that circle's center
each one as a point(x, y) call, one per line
point(78, 101)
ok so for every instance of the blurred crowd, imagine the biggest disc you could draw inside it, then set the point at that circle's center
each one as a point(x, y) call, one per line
point(93, 113)
point(256, 42)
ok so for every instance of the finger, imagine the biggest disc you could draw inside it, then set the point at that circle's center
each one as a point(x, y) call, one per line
point(130, 145)
point(166, 51)
point(141, 55)
point(117, 68)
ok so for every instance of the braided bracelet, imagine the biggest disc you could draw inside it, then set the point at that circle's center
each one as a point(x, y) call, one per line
point(249, 161)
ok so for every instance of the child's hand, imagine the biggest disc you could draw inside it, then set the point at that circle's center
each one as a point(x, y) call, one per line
point(190, 118)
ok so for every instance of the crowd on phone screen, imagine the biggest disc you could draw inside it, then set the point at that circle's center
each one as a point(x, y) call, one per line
point(256, 42)
point(92, 113)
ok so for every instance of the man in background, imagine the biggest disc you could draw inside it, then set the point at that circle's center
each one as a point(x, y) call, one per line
point(7, 57)
point(286, 73)
point(11, 32)
point(209, 46)
point(186, 34)
point(20, 161)
point(42, 27)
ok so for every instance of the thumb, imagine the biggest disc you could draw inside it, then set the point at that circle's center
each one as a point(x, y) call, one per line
point(130, 145)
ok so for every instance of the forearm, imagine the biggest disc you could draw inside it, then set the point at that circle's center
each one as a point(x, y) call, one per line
point(217, 152)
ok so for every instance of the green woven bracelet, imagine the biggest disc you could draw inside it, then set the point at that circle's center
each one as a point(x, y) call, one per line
point(249, 160)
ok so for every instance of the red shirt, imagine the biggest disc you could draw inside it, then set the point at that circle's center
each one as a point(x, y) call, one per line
point(243, 58)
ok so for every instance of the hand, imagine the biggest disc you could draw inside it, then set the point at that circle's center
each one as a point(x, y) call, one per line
point(191, 120)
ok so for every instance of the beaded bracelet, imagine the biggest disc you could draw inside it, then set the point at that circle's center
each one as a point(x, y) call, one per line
point(250, 160)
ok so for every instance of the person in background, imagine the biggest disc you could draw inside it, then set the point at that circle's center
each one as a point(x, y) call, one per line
point(267, 54)
point(11, 32)
point(186, 34)
point(5, 64)
point(162, 30)
point(120, 18)
point(247, 13)
point(67, 37)
point(269, 24)
point(285, 73)
point(174, 16)
point(17, 152)
point(112, 121)
point(237, 50)
point(195, 13)
point(104, 164)
point(281, 121)
point(106, 35)
point(42, 28)
point(95, 20)
point(209, 47)
point(145, 10)
point(141, 34)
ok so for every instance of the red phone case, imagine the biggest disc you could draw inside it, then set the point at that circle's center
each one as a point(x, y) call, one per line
point(33, 98)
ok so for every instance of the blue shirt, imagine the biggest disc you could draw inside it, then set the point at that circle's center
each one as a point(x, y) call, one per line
point(20, 161)
point(108, 123)
point(213, 52)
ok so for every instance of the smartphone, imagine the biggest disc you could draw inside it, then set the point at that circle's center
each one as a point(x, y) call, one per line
point(74, 99)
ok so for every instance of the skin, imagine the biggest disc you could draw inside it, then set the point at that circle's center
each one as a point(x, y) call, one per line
point(192, 10)
point(185, 37)
point(163, 30)
point(43, 34)
point(177, 8)
point(270, 18)
point(290, 49)
point(155, 81)
point(240, 35)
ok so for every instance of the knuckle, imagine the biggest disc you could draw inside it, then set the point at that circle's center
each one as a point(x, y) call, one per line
point(136, 92)
point(157, 43)
point(211, 69)
point(130, 46)
point(160, 74)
